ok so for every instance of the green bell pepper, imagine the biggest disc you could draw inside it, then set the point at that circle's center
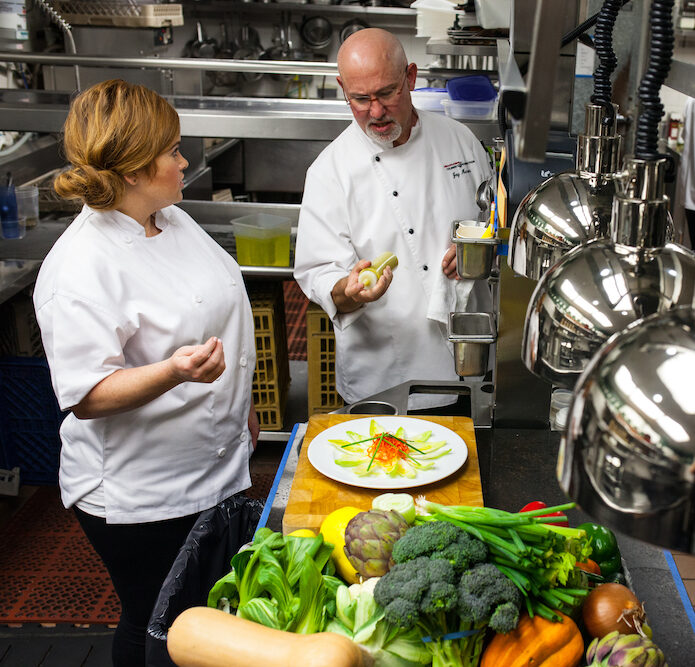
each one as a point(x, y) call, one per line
point(604, 548)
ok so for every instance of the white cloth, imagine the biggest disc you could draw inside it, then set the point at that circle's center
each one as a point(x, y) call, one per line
point(362, 199)
point(687, 168)
point(107, 297)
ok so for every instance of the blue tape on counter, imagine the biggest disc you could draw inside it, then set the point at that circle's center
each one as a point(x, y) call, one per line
point(502, 249)
point(680, 587)
point(276, 482)
point(452, 635)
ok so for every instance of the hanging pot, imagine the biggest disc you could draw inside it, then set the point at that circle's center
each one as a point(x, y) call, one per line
point(249, 49)
point(202, 46)
point(351, 26)
point(316, 32)
point(226, 51)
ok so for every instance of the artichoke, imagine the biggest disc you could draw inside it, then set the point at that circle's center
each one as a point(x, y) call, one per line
point(369, 540)
point(616, 650)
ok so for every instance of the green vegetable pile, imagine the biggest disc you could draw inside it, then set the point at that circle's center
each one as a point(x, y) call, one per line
point(441, 586)
point(285, 583)
point(536, 555)
point(361, 619)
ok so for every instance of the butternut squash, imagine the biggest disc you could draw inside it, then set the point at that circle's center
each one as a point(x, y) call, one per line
point(206, 637)
point(536, 642)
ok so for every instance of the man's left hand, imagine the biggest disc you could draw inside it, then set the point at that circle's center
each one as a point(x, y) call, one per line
point(449, 263)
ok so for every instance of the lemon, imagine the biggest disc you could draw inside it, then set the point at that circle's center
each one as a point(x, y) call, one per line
point(333, 531)
point(302, 532)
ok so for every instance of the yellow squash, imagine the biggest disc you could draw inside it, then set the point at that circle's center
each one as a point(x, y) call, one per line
point(206, 637)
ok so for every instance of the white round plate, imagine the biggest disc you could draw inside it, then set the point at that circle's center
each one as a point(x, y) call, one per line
point(322, 453)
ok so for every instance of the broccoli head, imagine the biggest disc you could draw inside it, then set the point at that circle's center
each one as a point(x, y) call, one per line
point(440, 540)
point(485, 594)
point(417, 587)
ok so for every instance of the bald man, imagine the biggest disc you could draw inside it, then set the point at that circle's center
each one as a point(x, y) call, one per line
point(394, 181)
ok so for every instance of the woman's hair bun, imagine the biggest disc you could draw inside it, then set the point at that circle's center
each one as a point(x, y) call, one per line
point(113, 129)
point(98, 188)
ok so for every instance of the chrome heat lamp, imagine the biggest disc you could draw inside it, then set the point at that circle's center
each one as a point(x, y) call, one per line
point(570, 208)
point(628, 455)
point(599, 288)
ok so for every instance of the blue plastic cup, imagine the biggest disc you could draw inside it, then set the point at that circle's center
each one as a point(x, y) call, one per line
point(14, 229)
point(13, 226)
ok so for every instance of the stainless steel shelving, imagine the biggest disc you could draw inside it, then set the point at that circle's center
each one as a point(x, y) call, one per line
point(233, 117)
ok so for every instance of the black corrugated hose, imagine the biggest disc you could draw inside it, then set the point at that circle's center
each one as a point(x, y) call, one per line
point(660, 55)
point(603, 44)
point(571, 36)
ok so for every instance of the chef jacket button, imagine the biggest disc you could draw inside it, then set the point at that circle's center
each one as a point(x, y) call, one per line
point(233, 283)
point(198, 299)
point(395, 193)
point(377, 159)
point(424, 268)
point(127, 239)
point(411, 231)
point(221, 452)
point(242, 437)
point(242, 362)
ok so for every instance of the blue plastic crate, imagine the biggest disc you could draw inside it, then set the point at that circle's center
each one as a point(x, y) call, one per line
point(30, 420)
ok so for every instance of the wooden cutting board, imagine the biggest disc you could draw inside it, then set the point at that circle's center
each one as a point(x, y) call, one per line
point(314, 495)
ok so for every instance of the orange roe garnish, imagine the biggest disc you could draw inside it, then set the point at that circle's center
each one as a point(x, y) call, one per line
point(387, 448)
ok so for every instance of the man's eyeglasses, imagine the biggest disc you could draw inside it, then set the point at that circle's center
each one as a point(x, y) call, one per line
point(386, 97)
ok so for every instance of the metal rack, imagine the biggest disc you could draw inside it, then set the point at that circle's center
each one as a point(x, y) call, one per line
point(121, 14)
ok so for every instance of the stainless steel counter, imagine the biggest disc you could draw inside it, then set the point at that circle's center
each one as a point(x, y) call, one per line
point(15, 275)
point(20, 259)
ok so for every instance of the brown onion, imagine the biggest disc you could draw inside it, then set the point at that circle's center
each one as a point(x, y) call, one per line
point(612, 607)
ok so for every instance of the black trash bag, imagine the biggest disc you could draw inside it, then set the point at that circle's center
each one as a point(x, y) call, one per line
point(203, 559)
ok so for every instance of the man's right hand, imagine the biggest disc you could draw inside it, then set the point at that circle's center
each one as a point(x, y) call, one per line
point(349, 293)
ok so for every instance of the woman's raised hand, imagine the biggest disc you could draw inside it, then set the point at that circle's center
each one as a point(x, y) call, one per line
point(199, 363)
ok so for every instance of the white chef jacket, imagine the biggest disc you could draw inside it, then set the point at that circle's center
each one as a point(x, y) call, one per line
point(362, 199)
point(106, 298)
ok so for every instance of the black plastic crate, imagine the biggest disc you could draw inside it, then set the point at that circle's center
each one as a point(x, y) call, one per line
point(30, 420)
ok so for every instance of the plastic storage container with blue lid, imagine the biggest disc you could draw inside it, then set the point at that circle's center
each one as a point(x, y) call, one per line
point(474, 88)
point(429, 99)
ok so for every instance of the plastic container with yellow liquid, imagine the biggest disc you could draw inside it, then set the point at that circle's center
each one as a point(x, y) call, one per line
point(262, 239)
point(369, 276)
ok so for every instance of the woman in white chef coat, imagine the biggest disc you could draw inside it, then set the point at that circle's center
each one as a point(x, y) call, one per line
point(149, 337)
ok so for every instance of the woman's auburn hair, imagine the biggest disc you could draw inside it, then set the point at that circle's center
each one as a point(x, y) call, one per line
point(113, 129)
